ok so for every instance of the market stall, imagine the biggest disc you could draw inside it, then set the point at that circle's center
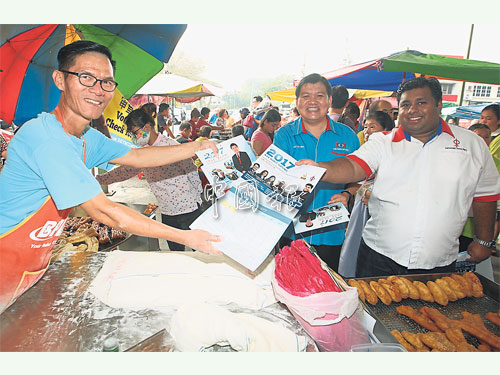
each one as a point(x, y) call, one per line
point(63, 312)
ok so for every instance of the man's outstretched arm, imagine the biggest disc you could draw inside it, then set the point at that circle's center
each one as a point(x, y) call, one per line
point(339, 171)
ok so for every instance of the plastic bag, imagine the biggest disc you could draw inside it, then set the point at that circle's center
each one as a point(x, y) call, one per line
point(350, 247)
point(248, 122)
point(332, 319)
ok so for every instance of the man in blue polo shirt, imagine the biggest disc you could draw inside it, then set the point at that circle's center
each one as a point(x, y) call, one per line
point(315, 136)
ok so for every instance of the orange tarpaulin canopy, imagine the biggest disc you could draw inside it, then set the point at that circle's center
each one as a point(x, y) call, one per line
point(288, 95)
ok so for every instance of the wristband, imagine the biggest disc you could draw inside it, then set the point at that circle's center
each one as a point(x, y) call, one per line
point(488, 244)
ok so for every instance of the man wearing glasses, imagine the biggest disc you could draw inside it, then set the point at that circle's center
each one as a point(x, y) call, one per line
point(47, 173)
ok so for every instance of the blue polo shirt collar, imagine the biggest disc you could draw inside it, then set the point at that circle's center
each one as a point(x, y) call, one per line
point(304, 130)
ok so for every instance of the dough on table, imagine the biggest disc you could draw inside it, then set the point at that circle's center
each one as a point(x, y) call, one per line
point(139, 280)
point(199, 326)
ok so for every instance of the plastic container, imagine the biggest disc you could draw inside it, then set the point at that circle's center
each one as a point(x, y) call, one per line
point(110, 345)
point(377, 348)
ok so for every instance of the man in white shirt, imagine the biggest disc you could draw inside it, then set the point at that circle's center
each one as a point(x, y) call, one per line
point(427, 177)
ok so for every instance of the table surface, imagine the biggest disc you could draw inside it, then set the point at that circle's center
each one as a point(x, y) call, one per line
point(59, 313)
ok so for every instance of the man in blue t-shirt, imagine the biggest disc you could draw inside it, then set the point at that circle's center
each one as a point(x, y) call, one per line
point(315, 136)
point(47, 172)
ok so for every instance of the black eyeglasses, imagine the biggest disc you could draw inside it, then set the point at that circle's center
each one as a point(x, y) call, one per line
point(89, 80)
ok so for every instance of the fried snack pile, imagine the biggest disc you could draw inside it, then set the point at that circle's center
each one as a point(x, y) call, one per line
point(446, 335)
point(441, 291)
point(150, 208)
point(84, 239)
point(299, 272)
point(494, 317)
point(84, 234)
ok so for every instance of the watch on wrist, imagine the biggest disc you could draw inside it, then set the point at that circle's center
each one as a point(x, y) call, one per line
point(488, 244)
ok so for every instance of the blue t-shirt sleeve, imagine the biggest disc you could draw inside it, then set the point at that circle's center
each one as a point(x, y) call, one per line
point(68, 180)
point(101, 149)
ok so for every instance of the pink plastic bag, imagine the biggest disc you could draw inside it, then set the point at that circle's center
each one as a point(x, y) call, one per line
point(332, 319)
point(248, 122)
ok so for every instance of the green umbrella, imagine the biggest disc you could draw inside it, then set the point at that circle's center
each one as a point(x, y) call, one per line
point(443, 67)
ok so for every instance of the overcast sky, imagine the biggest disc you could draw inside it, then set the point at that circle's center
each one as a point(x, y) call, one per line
point(234, 53)
point(242, 39)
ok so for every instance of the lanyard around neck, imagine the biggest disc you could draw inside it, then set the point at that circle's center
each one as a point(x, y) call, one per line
point(60, 119)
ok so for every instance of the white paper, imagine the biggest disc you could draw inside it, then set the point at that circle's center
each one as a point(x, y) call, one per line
point(255, 212)
point(322, 217)
point(223, 169)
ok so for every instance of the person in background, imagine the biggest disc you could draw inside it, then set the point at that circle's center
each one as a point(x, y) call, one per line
point(165, 119)
point(214, 117)
point(376, 122)
point(237, 130)
point(294, 114)
point(381, 105)
point(490, 115)
point(176, 186)
point(452, 121)
point(205, 113)
point(484, 267)
point(394, 241)
point(203, 121)
point(150, 109)
point(377, 105)
point(340, 97)
point(256, 101)
point(195, 127)
point(205, 133)
point(352, 112)
point(244, 112)
point(262, 138)
point(483, 131)
point(47, 172)
point(316, 136)
point(100, 125)
point(222, 118)
point(185, 133)
point(229, 121)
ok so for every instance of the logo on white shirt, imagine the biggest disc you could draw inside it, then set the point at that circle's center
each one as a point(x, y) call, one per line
point(456, 144)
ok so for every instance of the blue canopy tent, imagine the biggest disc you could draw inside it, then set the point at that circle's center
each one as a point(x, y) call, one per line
point(466, 112)
point(389, 72)
point(367, 76)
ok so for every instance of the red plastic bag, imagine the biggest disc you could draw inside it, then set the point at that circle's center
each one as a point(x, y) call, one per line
point(330, 316)
point(248, 122)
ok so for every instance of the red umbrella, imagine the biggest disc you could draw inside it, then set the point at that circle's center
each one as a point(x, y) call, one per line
point(28, 56)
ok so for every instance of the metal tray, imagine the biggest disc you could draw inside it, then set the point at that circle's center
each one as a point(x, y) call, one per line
point(78, 211)
point(112, 244)
point(387, 318)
